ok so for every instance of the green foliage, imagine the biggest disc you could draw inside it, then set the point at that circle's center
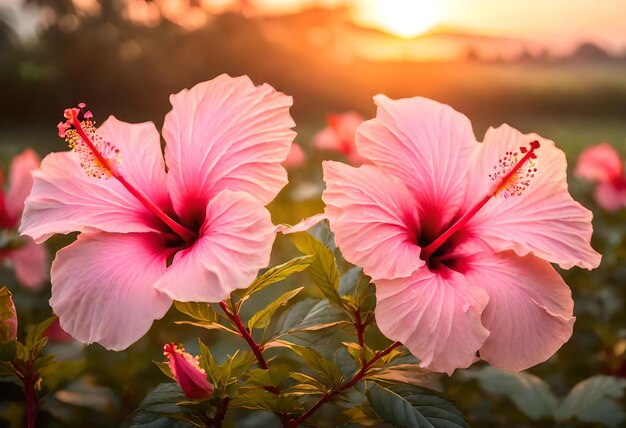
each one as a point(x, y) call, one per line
point(224, 377)
point(261, 399)
point(162, 408)
point(529, 393)
point(198, 311)
point(594, 400)
point(310, 315)
point(262, 318)
point(413, 408)
point(276, 274)
point(323, 269)
point(328, 370)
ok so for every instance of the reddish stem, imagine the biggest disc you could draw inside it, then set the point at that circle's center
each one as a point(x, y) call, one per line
point(357, 377)
point(255, 347)
point(30, 381)
point(359, 326)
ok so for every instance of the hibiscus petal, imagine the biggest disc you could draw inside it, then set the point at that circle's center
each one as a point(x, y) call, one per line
point(30, 263)
point(304, 224)
point(530, 309)
point(64, 199)
point(600, 163)
point(103, 287)
point(236, 242)
point(20, 181)
point(142, 161)
point(436, 315)
point(372, 216)
point(544, 220)
point(425, 144)
point(226, 134)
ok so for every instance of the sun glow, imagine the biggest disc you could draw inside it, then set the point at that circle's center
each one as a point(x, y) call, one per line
point(404, 18)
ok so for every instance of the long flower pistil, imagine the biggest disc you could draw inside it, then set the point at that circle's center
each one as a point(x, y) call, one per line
point(100, 159)
point(511, 177)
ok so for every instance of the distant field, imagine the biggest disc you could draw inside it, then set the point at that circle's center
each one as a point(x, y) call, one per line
point(575, 105)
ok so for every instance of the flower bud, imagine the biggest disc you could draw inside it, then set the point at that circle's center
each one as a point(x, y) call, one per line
point(188, 373)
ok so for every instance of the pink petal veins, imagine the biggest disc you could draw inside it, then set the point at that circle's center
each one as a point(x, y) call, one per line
point(544, 220)
point(103, 287)
point(226, 134)
point(530, 309)
point(437, 317)
point(373, 216)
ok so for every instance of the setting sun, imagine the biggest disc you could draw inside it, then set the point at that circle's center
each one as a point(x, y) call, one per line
point(404, 18)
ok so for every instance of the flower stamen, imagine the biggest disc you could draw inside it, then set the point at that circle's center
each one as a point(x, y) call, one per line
point(100, 159)
point(510, 180)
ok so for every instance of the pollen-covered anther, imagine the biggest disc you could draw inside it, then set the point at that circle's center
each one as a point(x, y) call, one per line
point(515, 171)
point(98, 157)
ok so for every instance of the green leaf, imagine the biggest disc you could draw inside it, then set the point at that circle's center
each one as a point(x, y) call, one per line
point(411, 374)
point(530, 394)
point(311, 383)
point(349, 281)
point(327, 369)
point(8, 317)
point(165, 369)
point(277, 274)
point(354, 349)
point(356, 286)
point(35, 341)
point(208, 326)
point(36, 332)
point(262, 318)
point(323, 270)
point(7, 369)
point(260, 399)
point(160, 406)
point(274, 376)
point(241, 362)
point(362, 415)
point(412, 407)
point(310, 315)
point(595, 400)
point(198, 311)
point(211, 367)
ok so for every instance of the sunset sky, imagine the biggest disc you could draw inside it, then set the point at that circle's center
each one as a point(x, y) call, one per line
point(551, 21)
point(557, 24)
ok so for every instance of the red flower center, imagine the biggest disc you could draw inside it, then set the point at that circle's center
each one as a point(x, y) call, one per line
point(511, 177)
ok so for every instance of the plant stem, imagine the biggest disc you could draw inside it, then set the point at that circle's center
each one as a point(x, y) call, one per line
point(255, 347)
point(360, 333)
point(221, 412)
point(357, 377)
point(30, 382)
point(258, 353)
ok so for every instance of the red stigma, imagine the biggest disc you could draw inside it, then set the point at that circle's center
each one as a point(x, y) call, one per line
point(169, 349)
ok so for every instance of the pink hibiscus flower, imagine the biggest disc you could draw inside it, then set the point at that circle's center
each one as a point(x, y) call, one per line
point(603, 165)
point(193, 233)
point(338, 136)
point(28, 259)
point(459, 236)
